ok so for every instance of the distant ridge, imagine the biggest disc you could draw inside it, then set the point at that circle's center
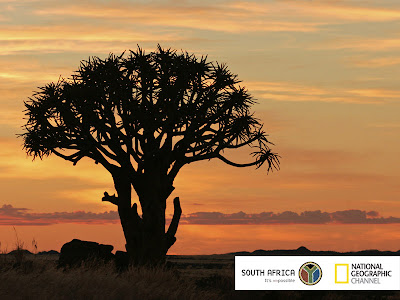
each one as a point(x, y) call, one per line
point(24, 251)
point(51, 252)
point(304, 251)
point(301, 251)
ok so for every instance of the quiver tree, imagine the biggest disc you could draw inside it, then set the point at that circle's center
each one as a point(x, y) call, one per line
point(143, 117)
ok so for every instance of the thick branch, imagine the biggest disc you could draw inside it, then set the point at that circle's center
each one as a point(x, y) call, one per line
point(74, 158)
point(236, 164)
point(113, 199)
point(173, 227)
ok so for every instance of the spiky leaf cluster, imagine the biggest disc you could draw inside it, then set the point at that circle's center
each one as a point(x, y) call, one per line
point(163, 109)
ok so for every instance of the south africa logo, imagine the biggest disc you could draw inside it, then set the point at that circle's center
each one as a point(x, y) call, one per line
point(310, 273)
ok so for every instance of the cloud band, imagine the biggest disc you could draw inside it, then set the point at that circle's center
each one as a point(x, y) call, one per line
point(10, 215)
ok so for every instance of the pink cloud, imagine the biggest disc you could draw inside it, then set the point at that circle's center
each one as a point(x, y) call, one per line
point(10, 215)
point(352, 216)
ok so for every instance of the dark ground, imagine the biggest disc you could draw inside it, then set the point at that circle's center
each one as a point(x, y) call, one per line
point(183, 277)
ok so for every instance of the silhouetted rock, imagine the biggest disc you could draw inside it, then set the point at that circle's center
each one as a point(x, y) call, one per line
point(21, 251)
point(51, 252)
point(77, 251)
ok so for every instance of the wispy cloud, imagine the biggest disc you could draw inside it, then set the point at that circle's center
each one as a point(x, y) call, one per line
point(10, 215)
point(289, 91)
point(376, 93)
point(294, 16)
point(218, 17)
point(74, 37)
point(365, 43)
point(123, 22)
point(329, 11)
point(377, 62)
point(75, 32)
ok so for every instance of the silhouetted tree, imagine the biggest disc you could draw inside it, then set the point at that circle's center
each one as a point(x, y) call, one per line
point(143, 117)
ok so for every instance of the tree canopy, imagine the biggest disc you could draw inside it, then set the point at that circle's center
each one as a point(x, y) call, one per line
point(140, 109)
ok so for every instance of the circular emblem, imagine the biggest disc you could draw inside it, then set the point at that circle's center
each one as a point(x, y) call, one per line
point(310, 273)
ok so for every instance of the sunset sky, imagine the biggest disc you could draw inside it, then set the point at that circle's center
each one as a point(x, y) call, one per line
point(326, 75)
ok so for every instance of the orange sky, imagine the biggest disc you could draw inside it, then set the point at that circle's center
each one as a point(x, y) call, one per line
point(325, 74)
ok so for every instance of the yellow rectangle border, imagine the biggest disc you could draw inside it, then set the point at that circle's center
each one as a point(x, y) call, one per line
point(343, 265)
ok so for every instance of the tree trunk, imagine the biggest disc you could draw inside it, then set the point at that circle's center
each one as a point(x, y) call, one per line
point(147, 242)
point(155, 242)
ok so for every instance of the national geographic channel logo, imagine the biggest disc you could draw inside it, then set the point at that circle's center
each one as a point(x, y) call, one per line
point(310, 273)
